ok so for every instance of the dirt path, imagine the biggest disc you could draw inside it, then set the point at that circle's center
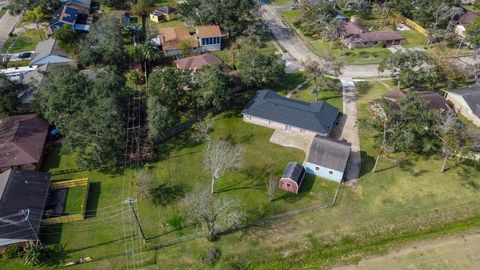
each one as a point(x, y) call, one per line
point(460, 252)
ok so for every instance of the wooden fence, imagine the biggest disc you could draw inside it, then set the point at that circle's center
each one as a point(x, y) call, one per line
point(416, 26)
point(73, 217)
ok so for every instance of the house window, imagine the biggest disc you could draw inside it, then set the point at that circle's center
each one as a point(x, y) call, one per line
point(288, 127)
point(269, 122)
point(330, 172)
point(249, 117)
point(302, 130)
point(317, 168)
point(289, 185)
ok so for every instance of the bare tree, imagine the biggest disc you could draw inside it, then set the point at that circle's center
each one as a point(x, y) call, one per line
point(202, 128)
point(221, 156)
point(143, 183)
point(315, 71)
point(272, 188)
point(214, 213)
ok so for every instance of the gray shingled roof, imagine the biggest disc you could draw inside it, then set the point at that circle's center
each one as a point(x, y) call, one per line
point(471, 95)
point(46, 48)
point(314, 116)
point(294, 171)
point(21, 190)
point(329, 153)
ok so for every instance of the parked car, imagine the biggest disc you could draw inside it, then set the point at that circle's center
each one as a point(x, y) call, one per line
point(25, 55)
point(293, 7)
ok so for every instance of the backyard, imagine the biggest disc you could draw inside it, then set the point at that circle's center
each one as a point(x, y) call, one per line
point(26, 41)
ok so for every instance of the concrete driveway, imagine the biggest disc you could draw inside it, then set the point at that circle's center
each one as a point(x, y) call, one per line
point(7, 25)
point(288, 139)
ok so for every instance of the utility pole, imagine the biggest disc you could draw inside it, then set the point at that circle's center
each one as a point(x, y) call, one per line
point(130, 202)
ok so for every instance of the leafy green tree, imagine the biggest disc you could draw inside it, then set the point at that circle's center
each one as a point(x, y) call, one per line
point(34, 16)
point(476, 4)
point(235, 16)
point(141, 6)
point(170, 85)
point(9, 92)
point(314, 18)
point(67, 38)
point(161, 118)
point(214, 87)
point(103, 43)
point(261, 70)
point(410, 123)
point(473, 32)
point(415, 69)
point(18, 6)
point(90, 113)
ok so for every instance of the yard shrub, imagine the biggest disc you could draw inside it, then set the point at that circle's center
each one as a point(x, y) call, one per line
point(212, 256)
point(176, 222)
point(12, 251)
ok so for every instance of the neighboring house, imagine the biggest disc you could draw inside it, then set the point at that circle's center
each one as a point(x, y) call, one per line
point(205, 39)
point(23, 196)
point(47, 52)
point(197, 62)
point(433, 99)
point(82, 3)
point(354, 35)
point(467, 102)
point(22, 140)
point(209, 37)
point(292, 177)
point(270, 110)
point(72, 13)
point(464, 20)
point(328, 158)
point(33, 80)
point(166, 13)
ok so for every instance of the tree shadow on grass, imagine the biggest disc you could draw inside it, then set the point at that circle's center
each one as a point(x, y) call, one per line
point(164, 194)
point(246, 183)
point(368, 162)
point(180, 141)
point(51, 234)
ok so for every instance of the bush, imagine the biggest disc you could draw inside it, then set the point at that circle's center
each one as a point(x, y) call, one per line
point(12, 251)
point(212, 256)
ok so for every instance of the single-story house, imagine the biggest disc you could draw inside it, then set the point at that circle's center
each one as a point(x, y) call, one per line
point(328, 158)
point(47, 52)
point(464, 20)
point(73, 14)
point(434, 100)
point(166, 13)
point(197, 62)
point(271, 110)
point(23, 195)
point(292, 177)
point(467, 102)
point(82, 3)
point(22, 140)
point(369, 39)
point(205, 39)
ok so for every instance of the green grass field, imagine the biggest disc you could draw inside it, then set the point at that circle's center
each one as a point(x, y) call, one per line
point(75, 200)
point(26, 41)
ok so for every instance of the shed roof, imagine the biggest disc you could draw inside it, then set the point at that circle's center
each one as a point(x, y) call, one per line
point(434, 100)
point(294, 171)
point(21, 191)
point(164, 10)
point(379, 36)
point(471, 95)
point(171, 37)
point(329, 153)
point(22, 138)
point(208, 31)
point(46, 48)
point(314, 116)
point(197, 62)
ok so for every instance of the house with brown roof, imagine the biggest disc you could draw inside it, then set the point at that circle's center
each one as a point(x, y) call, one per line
point(433, 99)
point(354, 35)
point(205, 39)
point(197, 62)
point(22, 140)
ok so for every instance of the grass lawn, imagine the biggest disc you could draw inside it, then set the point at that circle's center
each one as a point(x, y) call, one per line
point(26, 41)
point(161, 3)
point(2, 12)
point(413, 38)
point(351, 56)
point(471, 8)
point(280, 2)
point(75, 199)
point(291, 15)
point(21, 63)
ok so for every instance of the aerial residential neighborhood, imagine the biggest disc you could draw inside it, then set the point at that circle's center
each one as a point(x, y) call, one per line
point(239, 134)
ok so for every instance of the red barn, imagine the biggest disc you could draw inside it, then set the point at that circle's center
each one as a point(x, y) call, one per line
point(292, 178)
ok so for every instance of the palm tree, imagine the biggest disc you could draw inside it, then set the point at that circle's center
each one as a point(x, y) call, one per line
point(149, 52)
point(32, 253)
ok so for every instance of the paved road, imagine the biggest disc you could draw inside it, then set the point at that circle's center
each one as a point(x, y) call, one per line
point(297, 49)
point(350, 129)
point(7, 24)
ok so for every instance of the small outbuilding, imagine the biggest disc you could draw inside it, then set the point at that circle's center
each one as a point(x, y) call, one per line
point(292, 178)
point(328, 158)
point(166, 13)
